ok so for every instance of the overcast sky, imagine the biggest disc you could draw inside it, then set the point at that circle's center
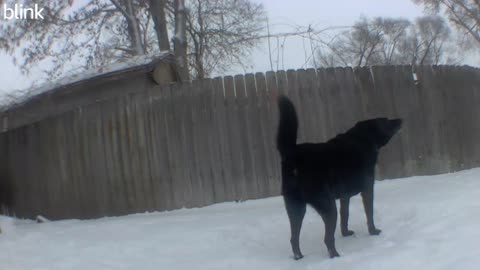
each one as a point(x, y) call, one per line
point(283, 15)
point(321, 14)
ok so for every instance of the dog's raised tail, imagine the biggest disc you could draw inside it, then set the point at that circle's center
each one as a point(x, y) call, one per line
point(287, 127)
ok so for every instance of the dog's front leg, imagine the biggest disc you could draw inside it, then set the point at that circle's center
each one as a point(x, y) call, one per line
point(344, 205)
point(367, 197)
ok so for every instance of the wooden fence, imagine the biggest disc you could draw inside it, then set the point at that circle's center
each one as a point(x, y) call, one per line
point(209, 141)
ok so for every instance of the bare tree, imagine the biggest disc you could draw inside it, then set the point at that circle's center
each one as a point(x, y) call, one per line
point(432, 35)
point(180, 39)
point(464, 14)
point(330, 57)
point(394, 33)
point(357, 46)
point(387, 41)
point(95, 33)
point(157, 10)
point(90, 34)
point(221, 33)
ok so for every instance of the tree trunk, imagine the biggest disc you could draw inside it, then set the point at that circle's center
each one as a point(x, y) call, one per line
point(134, 29)
point(180, 39)
point(157, 9)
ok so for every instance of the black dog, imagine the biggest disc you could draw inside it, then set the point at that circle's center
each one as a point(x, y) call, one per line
point(319, 173)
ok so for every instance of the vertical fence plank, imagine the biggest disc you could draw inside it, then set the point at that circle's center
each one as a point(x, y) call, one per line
point(132, 143)
point(97, 158)
point(161, 168)
point(188, 182)
point(105, 130)
point(294, 95)
point(317, 106)
point(336, 111)
point(475, 84)
point(308, 116)
point(118, 194)
point(454, 119)
point(245, 138)
point(22, 183)
point(175, 138)
point(324, 106)
point(212, 136)
point(158, 200)
point(391, 155)
point(234, 134)
point(140, 130)
point(202, 144)
point(256, 138)
point(190, 126)
point(220, 118)
point(275, 85)
point(411, 136)
point(431, 102)
point(266, 135)
point(124, 140)
point(62, 168)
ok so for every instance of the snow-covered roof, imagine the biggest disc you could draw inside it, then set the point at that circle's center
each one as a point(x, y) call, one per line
point(16, 98)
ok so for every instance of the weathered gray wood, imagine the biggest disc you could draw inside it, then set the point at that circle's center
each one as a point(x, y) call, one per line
point(266, 136)
point(293, 93)
point(324, 106)
point(191, 164)
point(116, 187)
point(62, 182)
point(152, 140)
point(234, 135)
point(391, 155)
point(97, 158)
point(105, 129)
point(220, 119)
point(72, 195)
point(214, 134)
point(336, 109)
point(275, 85)
point(135, 177)
point(210, 141)
point(317, 106)
point(255, 135)
point(205, 176)
point(432, 105)
point(412, 137)
point(125, 167)
point(309, 118)
point(245, 140)
point(139, 101)
point(161, 149)
point(175, 148)
point(182, 122)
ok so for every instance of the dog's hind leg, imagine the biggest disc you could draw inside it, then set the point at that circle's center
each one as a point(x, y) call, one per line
point(296, 209)
point(328, 211)
point(367, 198)
point(344, 204)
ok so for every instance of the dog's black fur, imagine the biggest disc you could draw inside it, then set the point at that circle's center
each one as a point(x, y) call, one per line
point(320, 173)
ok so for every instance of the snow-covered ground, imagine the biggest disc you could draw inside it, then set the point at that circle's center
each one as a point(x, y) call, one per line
point(428, 223)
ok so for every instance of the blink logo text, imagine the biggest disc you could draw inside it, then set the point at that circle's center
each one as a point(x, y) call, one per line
point(19, 12)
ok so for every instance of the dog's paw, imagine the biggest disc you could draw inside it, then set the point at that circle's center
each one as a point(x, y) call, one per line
point(347, 233)
point(333, 254)
point(297, 256)
point(374, 231)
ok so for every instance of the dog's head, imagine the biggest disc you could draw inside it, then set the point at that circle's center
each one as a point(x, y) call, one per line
point(378, 130)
